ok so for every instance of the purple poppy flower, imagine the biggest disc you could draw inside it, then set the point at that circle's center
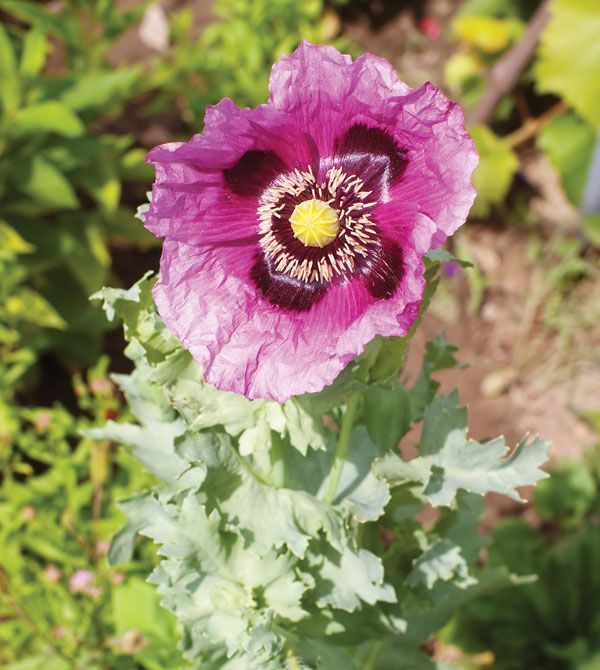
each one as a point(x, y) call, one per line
point(294, 231)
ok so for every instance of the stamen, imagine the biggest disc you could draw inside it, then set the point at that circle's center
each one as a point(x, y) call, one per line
point(330, 212)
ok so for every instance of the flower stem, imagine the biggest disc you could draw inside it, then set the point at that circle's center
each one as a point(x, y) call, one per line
point(371, 657)
point(342, 445)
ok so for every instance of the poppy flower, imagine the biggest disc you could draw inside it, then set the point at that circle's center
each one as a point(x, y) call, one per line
point(294, 231)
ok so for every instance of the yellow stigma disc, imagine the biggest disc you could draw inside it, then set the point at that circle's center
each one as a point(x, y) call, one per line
point(314, 223)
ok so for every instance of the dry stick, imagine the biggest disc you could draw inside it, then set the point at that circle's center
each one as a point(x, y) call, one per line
point(531, 127)
point(504, 75)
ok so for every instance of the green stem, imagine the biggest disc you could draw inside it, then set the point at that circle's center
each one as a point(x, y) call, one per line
point(342, 445)
point(373, 653)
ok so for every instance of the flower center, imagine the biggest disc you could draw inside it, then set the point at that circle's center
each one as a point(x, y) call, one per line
point(314, 223)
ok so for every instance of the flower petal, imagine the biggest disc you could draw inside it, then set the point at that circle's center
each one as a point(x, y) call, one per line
point(441, 160)
point(249, 346)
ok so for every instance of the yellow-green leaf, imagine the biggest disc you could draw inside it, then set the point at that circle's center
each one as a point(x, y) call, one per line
point(569, 57)
point(11, 243)
point(47, 117)
point(35, 47)
point(497, 166)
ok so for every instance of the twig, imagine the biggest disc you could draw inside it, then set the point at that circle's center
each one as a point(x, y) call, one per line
point(504, 75)
point(532, 126)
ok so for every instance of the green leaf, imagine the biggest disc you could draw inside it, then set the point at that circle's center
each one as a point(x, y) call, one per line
point(37, 177)
point(591, 227)
point(11, 243)
point(439, 355)
point(136, 606)
point(570, 144)
point(569, 57)
point(568, 494)
point(99, 90)
point(449, 462)
point(26, 305)
point(33, 57)
point(441, 560)
point(493, 176)
point(47, 117)
point(387, 414)
point(9, 89)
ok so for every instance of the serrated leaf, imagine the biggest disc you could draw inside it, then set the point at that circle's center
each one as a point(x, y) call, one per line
point(449, 462)
point(358, 488)
point(493, 176)
point(568, 61)
point(441, 560)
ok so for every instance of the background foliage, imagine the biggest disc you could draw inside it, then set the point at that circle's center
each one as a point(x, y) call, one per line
point(75, 122)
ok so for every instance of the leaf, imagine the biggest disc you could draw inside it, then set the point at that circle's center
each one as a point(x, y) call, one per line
point(441, 560)
point(39, 178)
point(11, 243)
point(99, 90)
point(568, 494)
point(488, 34)
point(46, 117)
point(570, 144)
point(387, 414)
point(26, 305)
point(568, 60)
point(343, 581)
point(9, 90)
point(33, 57)
point(449, 462)
point(365, 494)
point(493, 176)
point(136, 606)
point(439, 355)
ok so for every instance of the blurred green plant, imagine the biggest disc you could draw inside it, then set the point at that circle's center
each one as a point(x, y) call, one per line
point(552, 623)
point(61, 606)
point(566, 64)
point(233, 55)
point(60, 177)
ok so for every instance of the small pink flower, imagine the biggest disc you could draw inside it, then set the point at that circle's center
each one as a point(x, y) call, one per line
point(52, 574)
point(101, 548)
point(59, 631)
point(29, 513)
point(117, 578)
point(42, 421)
point(84, 582)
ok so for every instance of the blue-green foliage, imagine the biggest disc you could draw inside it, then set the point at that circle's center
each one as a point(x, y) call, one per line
point(262, 563)
point(552, 623)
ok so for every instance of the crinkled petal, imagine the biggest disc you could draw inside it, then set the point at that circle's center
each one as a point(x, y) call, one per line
point(441, 160)
point(192, 200)
point(246, 345)
point(327, 92)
